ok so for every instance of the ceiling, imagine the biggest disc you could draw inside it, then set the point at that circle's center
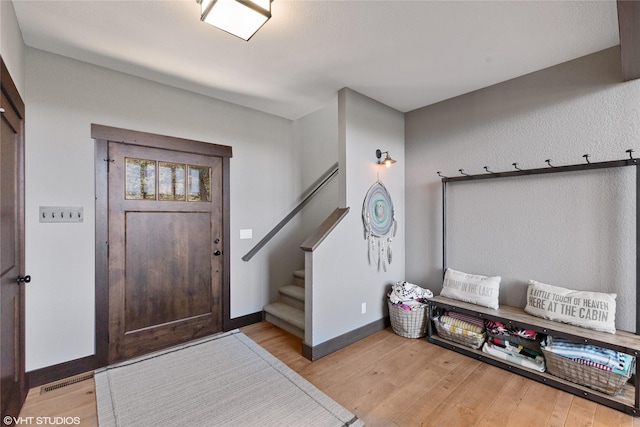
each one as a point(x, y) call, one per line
point(405, 54)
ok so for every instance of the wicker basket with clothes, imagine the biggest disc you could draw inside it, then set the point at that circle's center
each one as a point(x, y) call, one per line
point(408, 309)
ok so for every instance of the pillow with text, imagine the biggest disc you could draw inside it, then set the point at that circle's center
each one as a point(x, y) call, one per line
point(593, 310)
point(473, 288)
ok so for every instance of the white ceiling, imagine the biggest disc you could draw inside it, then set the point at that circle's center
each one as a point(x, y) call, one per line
point(405, 54)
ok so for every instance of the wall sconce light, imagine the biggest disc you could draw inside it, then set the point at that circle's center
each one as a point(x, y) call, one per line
point(387, 161)
point(242, 18)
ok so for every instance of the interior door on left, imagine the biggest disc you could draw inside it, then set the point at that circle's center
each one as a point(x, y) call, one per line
point(12, 362)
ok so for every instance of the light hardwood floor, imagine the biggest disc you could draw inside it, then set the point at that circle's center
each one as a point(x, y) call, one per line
point(392, 381)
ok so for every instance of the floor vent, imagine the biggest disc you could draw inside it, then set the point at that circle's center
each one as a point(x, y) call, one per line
point(67, 381)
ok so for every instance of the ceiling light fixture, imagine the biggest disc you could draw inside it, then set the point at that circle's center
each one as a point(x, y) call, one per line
point(387, 161)
point(242, 18)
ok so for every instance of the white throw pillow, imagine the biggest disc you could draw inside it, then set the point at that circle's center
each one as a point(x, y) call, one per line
point(593, 310)
point(480, 290)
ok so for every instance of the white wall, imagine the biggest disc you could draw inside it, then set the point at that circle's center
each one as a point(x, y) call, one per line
point(64, 97)
point(342, 278)
point(574, 231)
point(11, 44)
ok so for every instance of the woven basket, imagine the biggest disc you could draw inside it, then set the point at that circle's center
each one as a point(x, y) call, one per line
point(408, 323)
point(598, 379)
point(467, 339)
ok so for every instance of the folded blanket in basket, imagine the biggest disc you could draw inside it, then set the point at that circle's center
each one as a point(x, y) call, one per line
point(457, 329)
point(593, 364)
point(462, 324)
point(467, 318)
point(504, 354)
point(591, 355)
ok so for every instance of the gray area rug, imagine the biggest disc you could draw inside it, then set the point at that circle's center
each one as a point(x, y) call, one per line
point(224, 380)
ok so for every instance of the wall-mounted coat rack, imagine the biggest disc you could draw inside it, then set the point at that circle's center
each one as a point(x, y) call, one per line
point(628, 404)
point(550, 168)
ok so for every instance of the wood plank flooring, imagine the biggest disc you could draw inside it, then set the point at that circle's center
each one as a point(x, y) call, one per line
point(391, 381)
point(77, 401)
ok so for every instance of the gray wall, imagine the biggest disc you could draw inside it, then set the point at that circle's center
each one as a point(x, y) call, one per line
point(340, 276)
point(11, 45)
point(64, 97)
point(560, 113)
point(317, 136)
point(313, 151)
point(576, 231)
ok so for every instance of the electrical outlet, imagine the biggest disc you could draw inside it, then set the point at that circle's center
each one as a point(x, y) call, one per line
point(364, 307)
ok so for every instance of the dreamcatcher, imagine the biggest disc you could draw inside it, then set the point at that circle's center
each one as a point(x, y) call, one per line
point(379, 220)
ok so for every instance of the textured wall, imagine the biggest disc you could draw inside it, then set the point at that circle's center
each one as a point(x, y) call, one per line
point(11, 45)
point(342, 277)
point(575, 230)
point(64, 97)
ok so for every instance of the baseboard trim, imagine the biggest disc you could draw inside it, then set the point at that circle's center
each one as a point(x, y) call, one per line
point(68, 369)
point(335, 344)
point(246, 320)
point(60, 371)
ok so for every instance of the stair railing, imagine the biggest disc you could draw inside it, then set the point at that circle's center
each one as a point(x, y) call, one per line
point(310, 193)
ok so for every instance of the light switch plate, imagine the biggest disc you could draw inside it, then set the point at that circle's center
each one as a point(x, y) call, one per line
point(246, 233)
point(61, 214)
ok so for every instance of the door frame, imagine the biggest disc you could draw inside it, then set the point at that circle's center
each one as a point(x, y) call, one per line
point(10, 91)
point(102, 135)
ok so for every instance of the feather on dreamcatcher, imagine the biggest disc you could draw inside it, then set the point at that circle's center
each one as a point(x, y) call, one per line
point(380, 226)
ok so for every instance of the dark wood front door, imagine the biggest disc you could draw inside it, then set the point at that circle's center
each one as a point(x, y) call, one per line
point(165, 247)
point(12, 387)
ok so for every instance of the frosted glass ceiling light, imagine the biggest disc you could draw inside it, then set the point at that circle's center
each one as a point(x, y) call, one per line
point(242, 18)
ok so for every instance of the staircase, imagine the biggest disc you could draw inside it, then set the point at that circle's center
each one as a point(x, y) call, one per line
point(288, 312)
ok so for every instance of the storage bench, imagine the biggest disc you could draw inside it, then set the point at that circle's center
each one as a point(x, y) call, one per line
point(628, 400)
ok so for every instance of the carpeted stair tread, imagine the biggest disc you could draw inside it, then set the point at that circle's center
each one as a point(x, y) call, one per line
point(287, 313)
point(298, 278)
point(293, 291)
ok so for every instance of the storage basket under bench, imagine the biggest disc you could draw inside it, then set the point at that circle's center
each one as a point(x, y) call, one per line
point(608, 382)
point(608, 388)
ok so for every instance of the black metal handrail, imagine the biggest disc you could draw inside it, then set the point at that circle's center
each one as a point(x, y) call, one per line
point(311, 191)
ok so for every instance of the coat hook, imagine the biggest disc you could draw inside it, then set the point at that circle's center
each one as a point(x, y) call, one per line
point(462, 172)
point(487, 169)
point(440, 175)
point(515, 165)
point(549, 163)
point(630, 150)
point(586, 157)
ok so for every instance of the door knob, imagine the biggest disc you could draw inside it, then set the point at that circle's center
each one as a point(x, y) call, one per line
point(25, 279)
point(217, 252)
